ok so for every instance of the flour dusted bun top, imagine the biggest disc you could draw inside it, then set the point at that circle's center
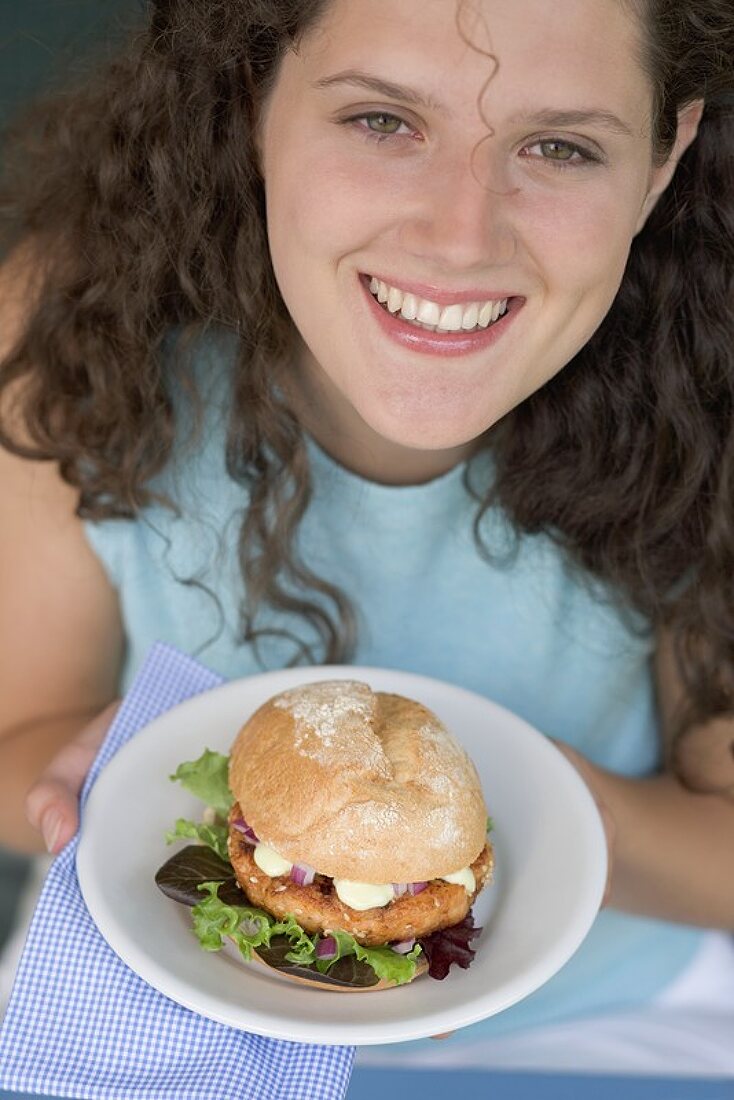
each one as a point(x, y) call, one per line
point(361, 785)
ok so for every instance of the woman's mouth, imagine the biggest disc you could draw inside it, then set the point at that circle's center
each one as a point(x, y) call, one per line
point(447, 328)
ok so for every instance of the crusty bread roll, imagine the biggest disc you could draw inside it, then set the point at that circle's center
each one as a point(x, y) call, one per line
point(361, 785)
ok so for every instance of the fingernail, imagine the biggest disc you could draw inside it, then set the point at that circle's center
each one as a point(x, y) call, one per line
point(50, 828)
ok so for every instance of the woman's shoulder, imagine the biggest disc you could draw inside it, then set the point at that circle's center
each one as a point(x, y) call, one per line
point(31, 488)
point(191, 495)
point(58, 613)
point(20, 280)
point(20, 276)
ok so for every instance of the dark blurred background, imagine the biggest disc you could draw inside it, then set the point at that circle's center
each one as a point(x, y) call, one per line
point(44, 42)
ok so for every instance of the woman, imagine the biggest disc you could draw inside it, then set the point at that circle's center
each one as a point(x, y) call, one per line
point(395, 334)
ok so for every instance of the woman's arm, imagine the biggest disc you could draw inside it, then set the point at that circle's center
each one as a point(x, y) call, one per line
point(61, 638)
point(673, 849)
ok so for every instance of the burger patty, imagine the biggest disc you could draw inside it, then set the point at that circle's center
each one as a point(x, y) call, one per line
point(317, 908)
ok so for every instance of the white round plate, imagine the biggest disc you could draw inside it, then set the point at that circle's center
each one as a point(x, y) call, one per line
point(534, 915)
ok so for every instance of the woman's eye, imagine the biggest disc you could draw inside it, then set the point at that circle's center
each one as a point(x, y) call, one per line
point(560, 153)
point(379, 125)
point(383, 124)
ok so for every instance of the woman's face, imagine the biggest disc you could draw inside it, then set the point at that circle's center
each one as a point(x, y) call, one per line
point(389, 154)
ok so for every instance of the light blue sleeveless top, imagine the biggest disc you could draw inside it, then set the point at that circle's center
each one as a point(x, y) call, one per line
point(529, 635)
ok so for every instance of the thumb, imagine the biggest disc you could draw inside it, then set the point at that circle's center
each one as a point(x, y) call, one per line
point(52, 803)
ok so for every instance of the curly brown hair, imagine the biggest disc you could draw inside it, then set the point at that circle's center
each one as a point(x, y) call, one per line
point(142, 192)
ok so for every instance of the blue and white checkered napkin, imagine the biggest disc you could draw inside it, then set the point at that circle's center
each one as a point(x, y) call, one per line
point(81, 1024)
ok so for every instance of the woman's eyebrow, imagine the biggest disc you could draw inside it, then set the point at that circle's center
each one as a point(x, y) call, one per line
point(549, 117)
point(383, 87)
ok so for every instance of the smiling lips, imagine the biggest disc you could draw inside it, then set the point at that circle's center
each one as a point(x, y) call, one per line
point(447, 325)
point(427, 314)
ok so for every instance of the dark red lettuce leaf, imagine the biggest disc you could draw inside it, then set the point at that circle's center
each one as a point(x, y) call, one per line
point(180, 876)
point(450, 947)
point(347, 971)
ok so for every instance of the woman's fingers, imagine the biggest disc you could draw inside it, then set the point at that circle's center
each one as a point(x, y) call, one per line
point(52, 803)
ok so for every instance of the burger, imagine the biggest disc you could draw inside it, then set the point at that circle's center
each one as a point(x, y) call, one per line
point(352, 836)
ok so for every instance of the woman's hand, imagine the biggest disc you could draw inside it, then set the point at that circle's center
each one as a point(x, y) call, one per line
point(52, 803)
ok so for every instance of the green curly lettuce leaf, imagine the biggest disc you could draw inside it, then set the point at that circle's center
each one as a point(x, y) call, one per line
point(247, 926)
point(208, 779)
point(214, 836)
point(250, 928)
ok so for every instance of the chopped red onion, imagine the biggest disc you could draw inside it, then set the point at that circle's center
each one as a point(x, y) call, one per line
point(403, 947)
point(241, 826)
point(303, 874)
point(411, 888)
point(326, 947)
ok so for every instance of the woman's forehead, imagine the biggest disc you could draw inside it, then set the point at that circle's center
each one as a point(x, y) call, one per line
point(446, 49)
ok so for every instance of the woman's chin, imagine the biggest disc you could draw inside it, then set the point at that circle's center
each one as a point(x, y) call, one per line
point(428, 433)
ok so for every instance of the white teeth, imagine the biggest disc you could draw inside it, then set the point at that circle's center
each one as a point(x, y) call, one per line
point(394, 299)
point(427, 314)
point(451, 318)
point(409, 307)
point(471, 316)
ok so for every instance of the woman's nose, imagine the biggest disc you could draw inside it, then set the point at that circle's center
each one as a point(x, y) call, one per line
point(460, 220)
